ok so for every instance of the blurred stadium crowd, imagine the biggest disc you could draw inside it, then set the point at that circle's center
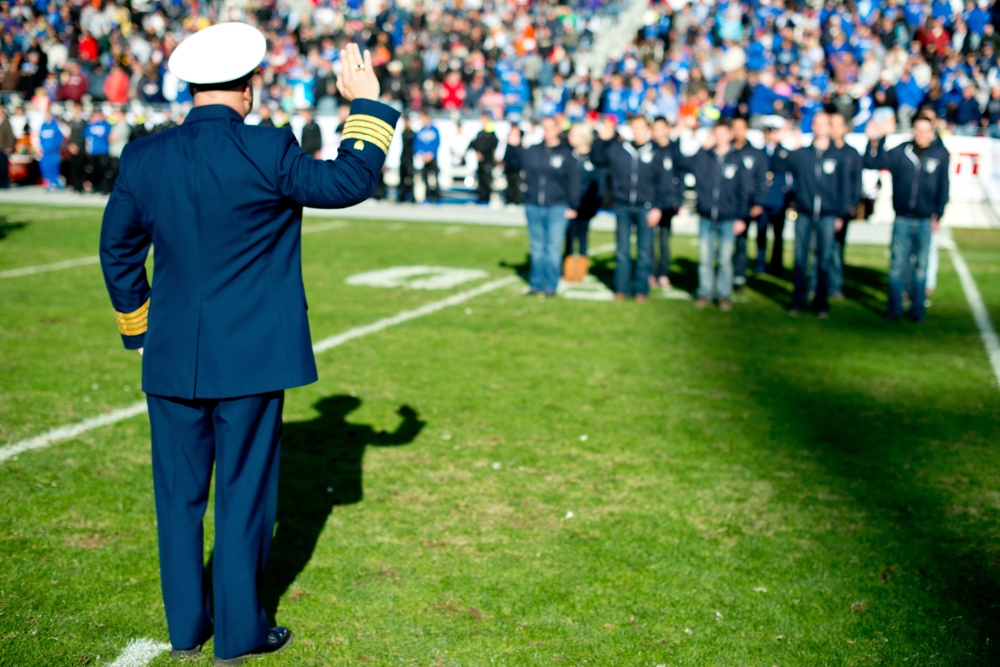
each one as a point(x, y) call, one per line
point(690, 61)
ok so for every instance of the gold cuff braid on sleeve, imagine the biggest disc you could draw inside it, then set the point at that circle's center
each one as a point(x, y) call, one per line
point(368, 128)
point(134, 323)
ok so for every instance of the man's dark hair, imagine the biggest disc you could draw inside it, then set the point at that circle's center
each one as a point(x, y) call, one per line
point(661, 119)
point(724, 122)
point(924, 116)
point(637, 116)
point(236, 85)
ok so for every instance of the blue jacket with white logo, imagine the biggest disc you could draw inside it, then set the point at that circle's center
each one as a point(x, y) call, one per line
point(822, 183)
point(637, 174)
point(920, 180)
point(723, 185)
point(755, 161)
point(672, 188)
point(551, 174)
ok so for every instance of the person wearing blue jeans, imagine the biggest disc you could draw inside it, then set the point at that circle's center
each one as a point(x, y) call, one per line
point(716, 244)
point(629, 217)
point(823, 229)
point(920, 184)
point(546, 232)
point(724, 188)
point(823, 191)
point(552, 175)
point(639, 187)
point(911, 242)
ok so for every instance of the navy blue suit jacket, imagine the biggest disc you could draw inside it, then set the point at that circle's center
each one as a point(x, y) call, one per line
point(221, 202)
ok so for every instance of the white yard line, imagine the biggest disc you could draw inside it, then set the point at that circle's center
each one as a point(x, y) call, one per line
point(324, 226)
point(45, 268)
point(139, 652)
point(72, 430)
point(94, 259)
point(979, 313)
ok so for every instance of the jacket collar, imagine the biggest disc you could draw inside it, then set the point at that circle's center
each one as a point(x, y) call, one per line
point(212, 112)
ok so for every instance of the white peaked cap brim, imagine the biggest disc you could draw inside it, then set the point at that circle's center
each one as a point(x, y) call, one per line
point(219, 53)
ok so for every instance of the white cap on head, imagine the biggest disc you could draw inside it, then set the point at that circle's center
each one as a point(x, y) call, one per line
point(218, 54)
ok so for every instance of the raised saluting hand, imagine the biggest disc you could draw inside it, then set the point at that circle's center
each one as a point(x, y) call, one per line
point(357, 80)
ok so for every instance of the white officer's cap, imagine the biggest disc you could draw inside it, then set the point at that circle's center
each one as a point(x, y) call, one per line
point(218, 54)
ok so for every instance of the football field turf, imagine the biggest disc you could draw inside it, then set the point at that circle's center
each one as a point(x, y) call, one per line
point(495, 480)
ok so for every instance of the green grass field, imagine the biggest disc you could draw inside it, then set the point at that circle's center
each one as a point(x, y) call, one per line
point(514, 481)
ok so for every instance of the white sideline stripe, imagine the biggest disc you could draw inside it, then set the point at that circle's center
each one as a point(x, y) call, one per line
point(94, 259)
point(975, 299)
point(72, 430)
point(43, 268)
point(407, 315)
point(139, 652)
point(324, 226)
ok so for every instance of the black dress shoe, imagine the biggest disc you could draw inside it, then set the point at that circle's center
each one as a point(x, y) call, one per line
point(181, 653)
point(277, 639)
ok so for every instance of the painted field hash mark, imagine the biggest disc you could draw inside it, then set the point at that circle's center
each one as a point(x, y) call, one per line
point(140, 652)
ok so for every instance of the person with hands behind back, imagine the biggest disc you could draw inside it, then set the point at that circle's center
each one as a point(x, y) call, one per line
point(920, 184)
point(223, 328)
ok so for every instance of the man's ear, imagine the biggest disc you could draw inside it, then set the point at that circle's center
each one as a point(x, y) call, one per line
point(248, 97)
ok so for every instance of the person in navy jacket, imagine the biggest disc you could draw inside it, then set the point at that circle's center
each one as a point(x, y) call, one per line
point(552, 176)
point(852, 165)
point(638, 187)
point(822, 192)
point(920, 188)
point(725, 190)
point(778, 185)
point(755, 161)
point(673, 198)
point(223, 328)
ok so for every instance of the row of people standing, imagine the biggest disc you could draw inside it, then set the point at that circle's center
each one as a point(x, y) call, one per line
point(735, 185)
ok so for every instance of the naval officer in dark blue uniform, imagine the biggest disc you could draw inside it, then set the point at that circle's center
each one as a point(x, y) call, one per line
point(223, 326)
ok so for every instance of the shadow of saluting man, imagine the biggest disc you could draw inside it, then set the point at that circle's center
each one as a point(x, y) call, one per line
point(321, 466)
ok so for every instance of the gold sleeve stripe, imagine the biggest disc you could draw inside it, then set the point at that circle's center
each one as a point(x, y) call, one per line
point(366, 126)
point(354, 132)
point(377, 122)
point(363, 132)
point(373, 140)
point(133, 329)
point(134, 323)
point(366, 137)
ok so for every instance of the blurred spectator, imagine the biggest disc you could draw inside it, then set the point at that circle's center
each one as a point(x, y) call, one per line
point(77, 148)
point(97, 135)
point(406, 139)
point(485, 146)
point(426, 144)
point(312, 136)
point(511, 168)
point(119, 137)
point(7, 144)
point(116, 86)
point(73, 84)
point(50, 139)
point(968, 114)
